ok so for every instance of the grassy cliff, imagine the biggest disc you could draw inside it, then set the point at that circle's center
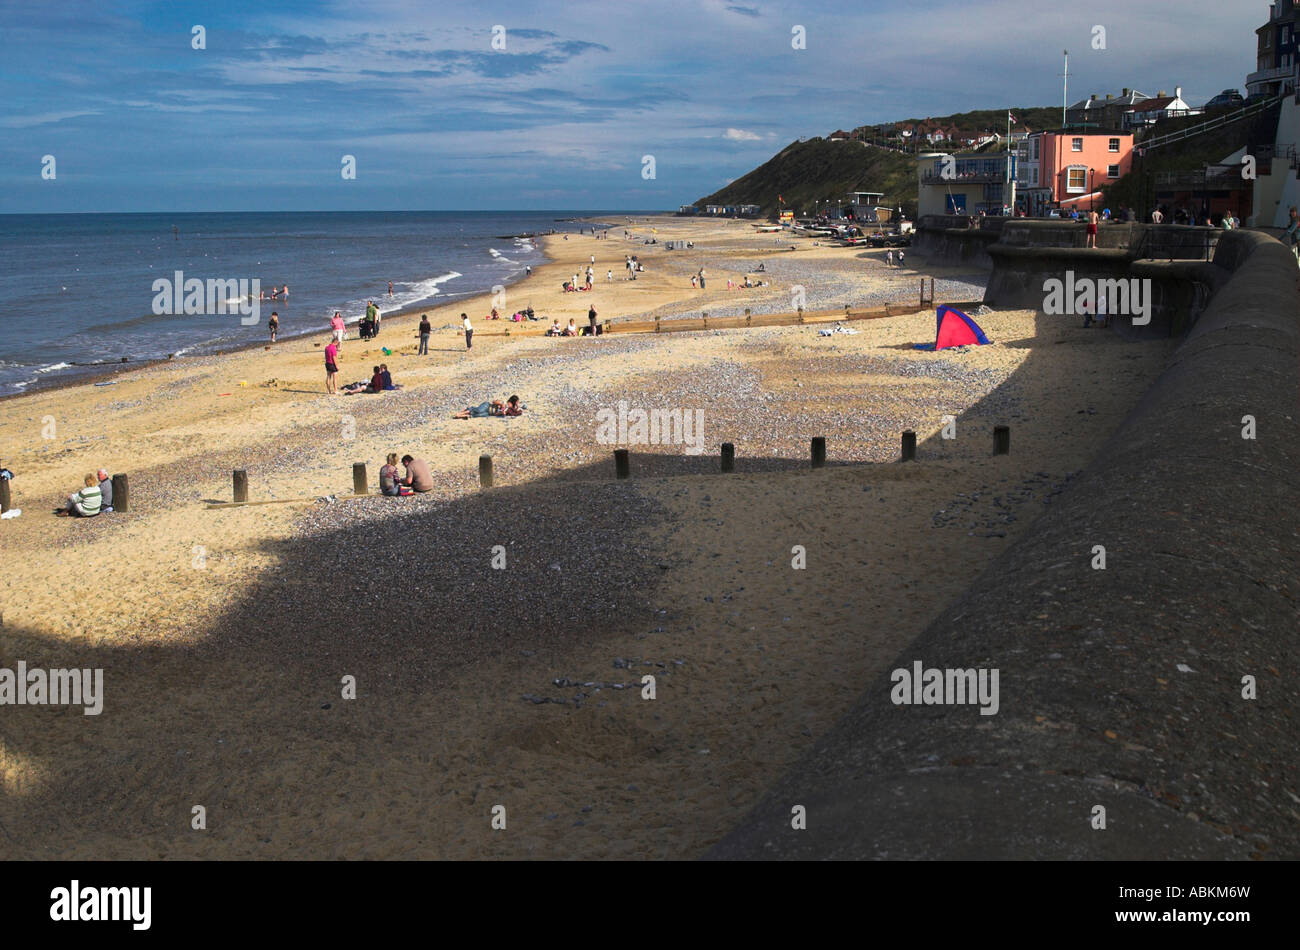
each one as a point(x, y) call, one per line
point(804, 172)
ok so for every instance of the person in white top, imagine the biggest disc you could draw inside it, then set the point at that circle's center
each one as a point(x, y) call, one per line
point(469, 331)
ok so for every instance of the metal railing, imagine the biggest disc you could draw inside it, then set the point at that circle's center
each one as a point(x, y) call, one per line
point(1218, 122)
point(1177, 243)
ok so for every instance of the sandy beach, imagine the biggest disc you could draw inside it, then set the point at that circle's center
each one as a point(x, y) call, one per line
point(225, 634)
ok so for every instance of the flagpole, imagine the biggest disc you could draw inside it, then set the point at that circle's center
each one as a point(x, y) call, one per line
point(1065, 94)
point(1011, 178)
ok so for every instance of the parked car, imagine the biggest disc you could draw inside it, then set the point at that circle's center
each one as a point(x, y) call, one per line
point(1229, 97)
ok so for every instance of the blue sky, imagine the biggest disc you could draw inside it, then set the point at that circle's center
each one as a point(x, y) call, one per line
point(139, 120)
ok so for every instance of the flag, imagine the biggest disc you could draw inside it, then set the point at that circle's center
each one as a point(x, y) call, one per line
point(1012, 118)
point(781, 198)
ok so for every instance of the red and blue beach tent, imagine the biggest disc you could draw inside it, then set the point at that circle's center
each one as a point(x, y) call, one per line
point(956, 329)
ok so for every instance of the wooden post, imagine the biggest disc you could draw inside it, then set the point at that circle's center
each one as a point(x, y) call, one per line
point(656, 324)
point(4, 495)
point(801, 314)
point(846, 311)
point(909, 446)
point(622, 464)
point(747, 318)
point(1001, 440)
point(360, 483)
point(121, 493)
point(819, 451)
point(241, 485)
point(485, 471)
point(921, 305)
point(728, 457)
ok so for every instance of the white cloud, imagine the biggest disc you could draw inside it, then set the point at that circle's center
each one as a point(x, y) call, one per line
point(740, 135)
point(46, 118)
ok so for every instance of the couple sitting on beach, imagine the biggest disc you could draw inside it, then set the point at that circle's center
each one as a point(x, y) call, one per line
point(417, 478)
point(511, 407)
point(556, 330)
point(96, 496)
point(380, 382)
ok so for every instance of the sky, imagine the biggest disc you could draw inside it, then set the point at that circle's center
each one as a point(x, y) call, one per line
point(437, 117)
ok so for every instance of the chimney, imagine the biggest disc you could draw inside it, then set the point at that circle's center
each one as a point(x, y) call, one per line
point(1094, 97)
point(1125, 90)
point(1178, 92)
point(1109, 97)
point(1160, 94)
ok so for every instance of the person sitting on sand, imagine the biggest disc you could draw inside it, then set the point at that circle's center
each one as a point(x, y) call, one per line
point(386, 377)
point(105, 490)
point(571, 329)
point(85, 503)
point(388, 479)
point(5, 474)
point(417, 474)
point(555, 329)
point(376, 385)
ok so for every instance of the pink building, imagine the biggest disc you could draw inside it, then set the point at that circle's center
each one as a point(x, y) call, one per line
point(1073, 166)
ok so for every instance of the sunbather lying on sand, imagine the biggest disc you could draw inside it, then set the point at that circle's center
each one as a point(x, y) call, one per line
point(511, 407)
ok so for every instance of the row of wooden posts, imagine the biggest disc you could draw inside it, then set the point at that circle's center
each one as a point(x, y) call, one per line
point(121, 494)
point(622, 464)
point(925, 299)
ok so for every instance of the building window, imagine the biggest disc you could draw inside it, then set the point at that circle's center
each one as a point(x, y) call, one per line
point(1035, 149)
point(1268, 40)
point(1076, 145)
point(1076, 182)
point(1033, 177)
point(1112, 171)
point(1114, 145)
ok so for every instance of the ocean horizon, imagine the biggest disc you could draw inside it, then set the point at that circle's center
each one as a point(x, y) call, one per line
point(81, 294)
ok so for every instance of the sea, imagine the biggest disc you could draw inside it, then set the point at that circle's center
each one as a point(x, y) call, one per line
point(78, 292)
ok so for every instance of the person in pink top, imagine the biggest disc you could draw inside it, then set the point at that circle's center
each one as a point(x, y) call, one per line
point(340, 328)
point(332, 368)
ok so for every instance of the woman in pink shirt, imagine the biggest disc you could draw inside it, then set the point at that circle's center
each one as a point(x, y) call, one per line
point(332, 368)
point(340, 328)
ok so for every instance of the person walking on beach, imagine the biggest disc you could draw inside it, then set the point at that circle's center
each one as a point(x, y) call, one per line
point(591, 319)
point(469, 331)
point(425, 329)
point(332, 368)
point(390, 288)
point(609, 276)
point(889, 257)
point(701, 276)
point(273, 324)
point(339, 327)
